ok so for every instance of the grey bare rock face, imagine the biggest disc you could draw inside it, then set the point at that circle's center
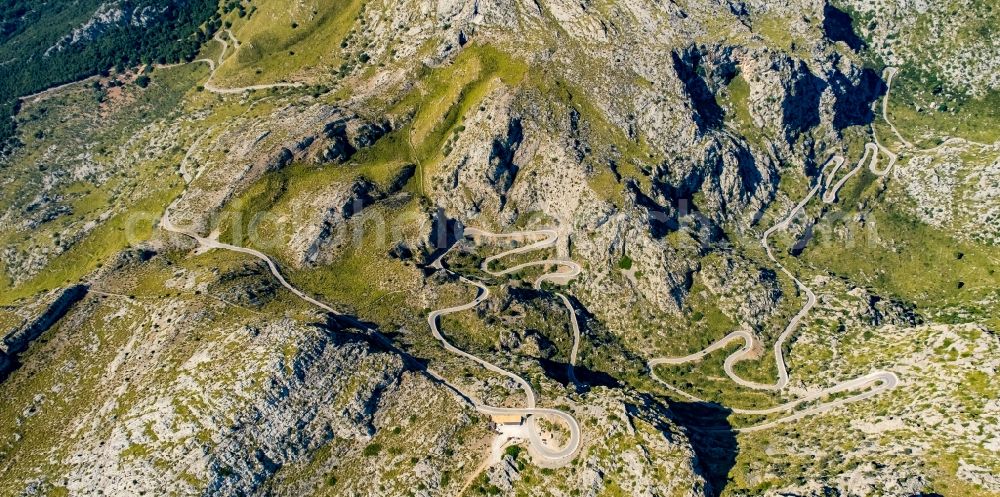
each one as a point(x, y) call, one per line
point(508, 247)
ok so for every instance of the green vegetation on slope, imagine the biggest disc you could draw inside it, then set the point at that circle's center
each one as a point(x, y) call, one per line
point(905, 258)
point(134, 196)
point(28, 29)
point(926, 111)
point(279, 39)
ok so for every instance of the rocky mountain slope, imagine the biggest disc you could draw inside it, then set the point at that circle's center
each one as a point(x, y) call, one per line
point(217, 275)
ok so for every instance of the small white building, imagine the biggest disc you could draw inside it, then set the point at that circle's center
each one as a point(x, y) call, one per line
point(507, 419)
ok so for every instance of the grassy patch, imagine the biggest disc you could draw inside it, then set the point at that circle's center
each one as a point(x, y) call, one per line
point(625, 263)
point(124, 205)
point(446, 96)
point(905, 258)
point(108, 239)
point(268, 40)
point(735, 99)
point(925, 110)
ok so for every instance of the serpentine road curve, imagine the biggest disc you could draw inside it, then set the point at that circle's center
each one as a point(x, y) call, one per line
point(874, 383)
point(211, 87)
point(882, 380)
point(889, 73)
point(551, 237)
point(214, 65)
point(537, 448)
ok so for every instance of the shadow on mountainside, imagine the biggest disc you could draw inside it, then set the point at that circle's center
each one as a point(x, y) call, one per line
point(588, 378)
point(344, 328)
point(838, 26)
point(707, 112)
point(854, 105)
point(707, 428)
point(17, 340)
point(712, 439)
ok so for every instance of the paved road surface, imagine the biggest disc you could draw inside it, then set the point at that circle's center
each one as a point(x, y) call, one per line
point(540, 451)
point(873, 383)
point(881, 380)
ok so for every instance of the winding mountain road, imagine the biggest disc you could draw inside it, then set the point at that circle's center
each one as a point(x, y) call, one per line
point(575, 325)
point(889, 73)
point(211, 87)
point(537, 447)
point(214, 65)
point(539, 450)
point(873, 383)
point(211, 243)
point(830, 195)
point(563, 277)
